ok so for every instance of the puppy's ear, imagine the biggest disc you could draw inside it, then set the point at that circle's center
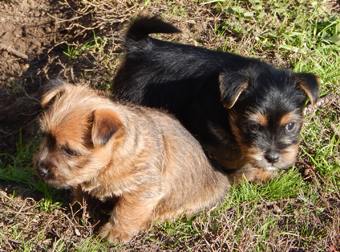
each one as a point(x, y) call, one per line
point(105, 124)
point(310, 84)
point(231, 86)
point(50, 95)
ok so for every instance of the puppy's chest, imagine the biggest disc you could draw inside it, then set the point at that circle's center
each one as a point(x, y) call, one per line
point(104, 191)
point(106, 187)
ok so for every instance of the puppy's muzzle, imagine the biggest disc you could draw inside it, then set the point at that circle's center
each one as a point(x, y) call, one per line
point(272, 156)
point(42, 169)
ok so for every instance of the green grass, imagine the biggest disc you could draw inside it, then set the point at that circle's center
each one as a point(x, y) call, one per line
point(19, 169)
point(303, 35)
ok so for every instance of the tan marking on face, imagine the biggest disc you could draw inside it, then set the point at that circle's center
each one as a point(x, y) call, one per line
point(258, 118)
point(287, 118)
point(290, 117)
point(290, 153)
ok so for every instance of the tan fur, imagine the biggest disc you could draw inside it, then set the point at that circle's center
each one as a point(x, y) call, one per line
point(259, 118)
point(290, 117)
point(142, 158)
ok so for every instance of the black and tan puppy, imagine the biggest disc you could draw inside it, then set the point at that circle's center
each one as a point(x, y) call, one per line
point(143, 159)
point(246, 114)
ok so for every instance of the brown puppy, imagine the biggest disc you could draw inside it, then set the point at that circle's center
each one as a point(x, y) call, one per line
point(140, 157)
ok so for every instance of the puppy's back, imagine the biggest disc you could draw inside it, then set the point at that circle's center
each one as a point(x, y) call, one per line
point(167, 75)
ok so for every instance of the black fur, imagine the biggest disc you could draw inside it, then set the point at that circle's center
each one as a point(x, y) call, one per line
point(202, 88)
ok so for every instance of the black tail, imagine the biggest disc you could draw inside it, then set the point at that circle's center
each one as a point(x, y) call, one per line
point(142, 26)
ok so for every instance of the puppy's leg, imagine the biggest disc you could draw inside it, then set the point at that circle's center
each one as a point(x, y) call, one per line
point(78, 195)
point(130, 215)
point(86, 201)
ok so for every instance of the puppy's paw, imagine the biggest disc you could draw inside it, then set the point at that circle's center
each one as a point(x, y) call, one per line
point(114, 234)
point(251, 174)
point(261, 175)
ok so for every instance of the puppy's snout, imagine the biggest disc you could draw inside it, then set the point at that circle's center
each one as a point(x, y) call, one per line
point(272, 156)
point(42, 169)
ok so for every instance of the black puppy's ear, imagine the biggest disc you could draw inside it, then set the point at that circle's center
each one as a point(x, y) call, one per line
point(105, 124)
point(231, 86)
point(310, 84)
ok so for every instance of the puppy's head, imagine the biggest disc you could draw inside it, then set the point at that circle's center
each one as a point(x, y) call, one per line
point(266, 112)
point(79, 132)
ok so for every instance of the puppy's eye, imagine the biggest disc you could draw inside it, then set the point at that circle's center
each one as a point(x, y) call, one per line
point(254, 126)
point(69, 153)
point(290, 126)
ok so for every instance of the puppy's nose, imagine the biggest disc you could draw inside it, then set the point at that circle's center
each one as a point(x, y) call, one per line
point(42, 170)
point(272, 157)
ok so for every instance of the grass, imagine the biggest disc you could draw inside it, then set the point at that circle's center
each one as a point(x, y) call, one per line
point(292, 212)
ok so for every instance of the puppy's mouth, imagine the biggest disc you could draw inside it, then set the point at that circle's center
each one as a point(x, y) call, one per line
point(53, 181)
point(271, 168)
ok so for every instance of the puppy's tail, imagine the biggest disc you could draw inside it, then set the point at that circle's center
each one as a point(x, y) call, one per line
point(142, 26)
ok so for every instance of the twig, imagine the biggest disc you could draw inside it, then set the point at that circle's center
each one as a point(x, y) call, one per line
point(309, 170)
point(14, 52)
point(28, 96)
point(322, 102)
point(335, 129)
point(5, 195)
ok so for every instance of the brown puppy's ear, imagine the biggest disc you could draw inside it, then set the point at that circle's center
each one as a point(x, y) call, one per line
point(55, 88)
point(49, 95)
point(310, 84)
point(105, 124)
point(231, 86)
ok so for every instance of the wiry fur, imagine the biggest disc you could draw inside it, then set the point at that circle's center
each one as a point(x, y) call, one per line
point(232, 104)
point(140, 157)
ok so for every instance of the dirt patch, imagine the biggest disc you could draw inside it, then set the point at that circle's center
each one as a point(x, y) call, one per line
point(27, 33)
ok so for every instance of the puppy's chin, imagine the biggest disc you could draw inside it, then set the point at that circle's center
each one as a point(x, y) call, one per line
point(58, 184)
point(62, 183)
point(281, 164)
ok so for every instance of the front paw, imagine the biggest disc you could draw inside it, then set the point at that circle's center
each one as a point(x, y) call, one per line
point(114, 234)
point(250, 174)
point(261, 175)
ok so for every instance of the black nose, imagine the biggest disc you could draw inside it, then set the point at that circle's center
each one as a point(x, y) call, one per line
point(42, 169)
point(272, 157)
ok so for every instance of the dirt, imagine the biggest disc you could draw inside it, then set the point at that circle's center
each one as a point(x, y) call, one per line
point(27, 33)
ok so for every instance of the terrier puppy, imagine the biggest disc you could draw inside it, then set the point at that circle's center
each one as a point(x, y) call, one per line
point(142, 159)
point(246, 114)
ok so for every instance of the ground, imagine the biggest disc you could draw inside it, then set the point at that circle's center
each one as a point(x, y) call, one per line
point(81, 41)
